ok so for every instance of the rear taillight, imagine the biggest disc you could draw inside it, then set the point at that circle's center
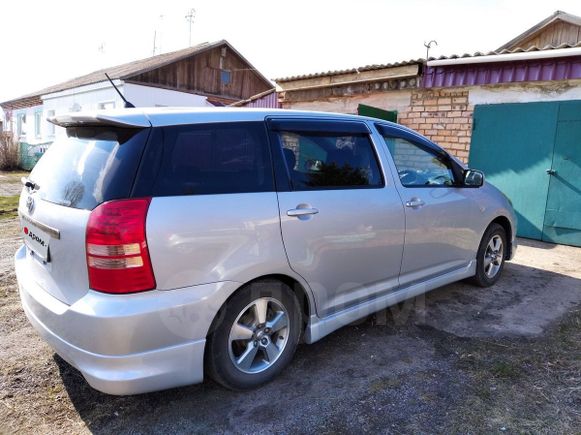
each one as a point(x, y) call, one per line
point(117, 255)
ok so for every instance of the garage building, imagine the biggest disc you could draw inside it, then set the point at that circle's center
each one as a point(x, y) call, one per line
point(515, 113)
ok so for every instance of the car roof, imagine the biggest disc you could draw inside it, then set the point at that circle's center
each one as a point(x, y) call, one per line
point(167, 116)
point(144, 117)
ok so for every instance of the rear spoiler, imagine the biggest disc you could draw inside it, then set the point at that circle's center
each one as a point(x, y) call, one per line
point(127, 120)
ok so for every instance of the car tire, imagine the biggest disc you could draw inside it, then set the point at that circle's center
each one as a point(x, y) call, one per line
point(255, 335)
point(491, 256)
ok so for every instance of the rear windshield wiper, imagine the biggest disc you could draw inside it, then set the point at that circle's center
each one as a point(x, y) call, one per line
point(29, 183)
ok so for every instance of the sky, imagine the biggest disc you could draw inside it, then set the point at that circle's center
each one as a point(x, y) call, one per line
point(46, 42)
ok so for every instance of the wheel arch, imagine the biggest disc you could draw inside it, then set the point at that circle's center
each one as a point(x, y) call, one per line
point(306, 304)
point(504, 222)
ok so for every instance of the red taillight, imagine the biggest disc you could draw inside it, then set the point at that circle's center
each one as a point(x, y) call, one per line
point(117, 254)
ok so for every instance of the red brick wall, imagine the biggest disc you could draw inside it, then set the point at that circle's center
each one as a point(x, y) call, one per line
point(442, 115)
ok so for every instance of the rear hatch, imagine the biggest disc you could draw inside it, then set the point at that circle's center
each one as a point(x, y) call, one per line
point(89, 166)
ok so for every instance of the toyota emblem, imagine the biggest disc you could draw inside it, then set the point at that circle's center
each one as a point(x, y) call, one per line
point(30, 204)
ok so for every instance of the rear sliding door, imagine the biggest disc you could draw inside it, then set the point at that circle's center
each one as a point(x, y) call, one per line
point(342, 220)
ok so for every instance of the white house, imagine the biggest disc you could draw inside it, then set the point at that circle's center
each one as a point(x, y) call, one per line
point(208, 74)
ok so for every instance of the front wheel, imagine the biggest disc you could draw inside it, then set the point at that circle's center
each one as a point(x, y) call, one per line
point(490, 257)
point(255, 336)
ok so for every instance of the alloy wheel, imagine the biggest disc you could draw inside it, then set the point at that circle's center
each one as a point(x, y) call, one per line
point(259, 335)
point(493, 256)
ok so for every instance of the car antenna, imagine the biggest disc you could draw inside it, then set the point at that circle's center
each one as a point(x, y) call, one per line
point(127, 103)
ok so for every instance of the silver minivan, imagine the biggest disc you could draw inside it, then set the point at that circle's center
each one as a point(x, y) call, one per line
point(163, 244)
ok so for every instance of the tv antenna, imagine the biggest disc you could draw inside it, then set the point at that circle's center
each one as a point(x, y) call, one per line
point(428, 45)
point(155, 47)
point(190, 17)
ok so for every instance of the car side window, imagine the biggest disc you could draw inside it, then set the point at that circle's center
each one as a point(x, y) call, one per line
point(317, 161)
point(419, 166)
point(215, 158)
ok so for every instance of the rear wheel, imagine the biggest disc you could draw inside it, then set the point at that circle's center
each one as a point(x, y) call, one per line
point(255, 336)
point(490, 257)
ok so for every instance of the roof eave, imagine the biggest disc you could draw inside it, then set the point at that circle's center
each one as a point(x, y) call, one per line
point(348, 71)
point(557, 15)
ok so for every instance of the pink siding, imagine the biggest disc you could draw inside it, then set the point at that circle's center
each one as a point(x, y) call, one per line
point(503, 72)
point(269, 101)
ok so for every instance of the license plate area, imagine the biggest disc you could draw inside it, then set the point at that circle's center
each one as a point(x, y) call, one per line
point(36, 239)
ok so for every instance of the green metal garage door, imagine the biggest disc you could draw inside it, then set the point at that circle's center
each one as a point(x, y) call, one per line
point(532, 152)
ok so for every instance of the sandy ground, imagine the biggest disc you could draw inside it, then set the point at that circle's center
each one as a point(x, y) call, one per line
point(461, 359)
point(10, 183)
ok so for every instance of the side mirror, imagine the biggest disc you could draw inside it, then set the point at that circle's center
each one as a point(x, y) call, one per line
point(473, 178)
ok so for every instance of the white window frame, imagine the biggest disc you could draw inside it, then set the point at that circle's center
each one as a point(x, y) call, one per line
point(20, 124)
point(38, 124)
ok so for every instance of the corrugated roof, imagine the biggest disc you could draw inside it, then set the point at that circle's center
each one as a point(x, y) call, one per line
point(422, 61)
point(505, 51)
point(131, 69)
point(348, 71)
point(253, 98)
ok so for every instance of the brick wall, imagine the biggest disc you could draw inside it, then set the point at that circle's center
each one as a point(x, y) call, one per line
point(442, 115)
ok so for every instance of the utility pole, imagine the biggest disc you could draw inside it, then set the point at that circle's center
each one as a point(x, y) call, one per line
point(190, 17)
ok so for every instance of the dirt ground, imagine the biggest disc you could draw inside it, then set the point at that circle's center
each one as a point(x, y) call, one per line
point(10, 183)
point(459, 360)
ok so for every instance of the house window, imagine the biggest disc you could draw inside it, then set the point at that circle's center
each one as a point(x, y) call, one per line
point(37, 123)
point(21, 124)
point(225, 76)
point(106, 105)
point(50, 114)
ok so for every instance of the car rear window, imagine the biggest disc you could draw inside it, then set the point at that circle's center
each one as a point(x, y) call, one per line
point(89, 166)
point(214, 159)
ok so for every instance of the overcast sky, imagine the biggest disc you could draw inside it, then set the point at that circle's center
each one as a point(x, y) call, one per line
point(46, 42)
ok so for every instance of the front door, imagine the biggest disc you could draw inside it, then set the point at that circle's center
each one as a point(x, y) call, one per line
point(440, 218)
point(341, 217)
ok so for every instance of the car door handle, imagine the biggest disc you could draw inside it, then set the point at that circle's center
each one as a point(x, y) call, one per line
point(414, 203)
point(551, 171)
point(297, 212)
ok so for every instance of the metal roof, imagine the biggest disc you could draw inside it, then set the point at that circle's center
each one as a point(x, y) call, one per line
point(131, 69)
point(349, 71)
point(423, 61)
point(506, 51)
point(267, 99)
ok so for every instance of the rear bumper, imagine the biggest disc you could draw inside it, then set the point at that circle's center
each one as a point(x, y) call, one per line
point(127, 344)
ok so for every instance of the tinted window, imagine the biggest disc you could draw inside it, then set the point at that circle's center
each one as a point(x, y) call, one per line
point(90, 166)
point(418, 166)
point(326, 161)
point(215, 158)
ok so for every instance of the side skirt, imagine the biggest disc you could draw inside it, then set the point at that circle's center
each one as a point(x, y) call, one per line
point(318, 328)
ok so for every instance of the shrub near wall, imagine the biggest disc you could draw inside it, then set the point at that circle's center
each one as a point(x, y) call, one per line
point(442, 115)
point(9, 153)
